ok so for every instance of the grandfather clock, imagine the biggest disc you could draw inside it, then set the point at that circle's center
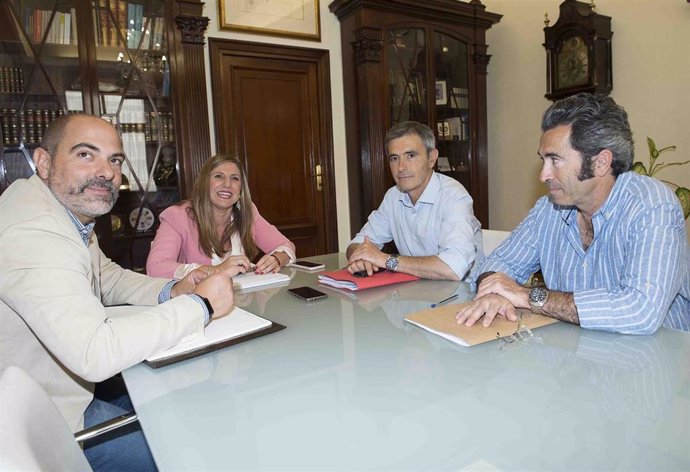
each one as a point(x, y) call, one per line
point(578, 51)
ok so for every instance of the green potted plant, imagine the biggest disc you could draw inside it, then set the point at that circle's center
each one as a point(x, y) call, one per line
point(655, 166)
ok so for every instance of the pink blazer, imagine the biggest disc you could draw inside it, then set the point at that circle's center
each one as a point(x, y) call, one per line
point(177, 241)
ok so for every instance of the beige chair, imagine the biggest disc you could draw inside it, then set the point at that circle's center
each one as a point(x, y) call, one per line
point(491, 239)
point(33, 433)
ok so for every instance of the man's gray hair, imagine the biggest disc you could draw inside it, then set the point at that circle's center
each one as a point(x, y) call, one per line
point(597, 123)
point(412, 127)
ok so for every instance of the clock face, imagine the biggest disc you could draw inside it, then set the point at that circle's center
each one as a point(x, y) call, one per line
point(572, 62)
point(146, 219)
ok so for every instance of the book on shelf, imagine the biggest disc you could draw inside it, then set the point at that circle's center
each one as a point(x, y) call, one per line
point(344, 279)
point(441, 321)
point(234, 328)
point(459, 98)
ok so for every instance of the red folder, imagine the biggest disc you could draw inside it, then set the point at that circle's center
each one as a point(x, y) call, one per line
point(343, 279)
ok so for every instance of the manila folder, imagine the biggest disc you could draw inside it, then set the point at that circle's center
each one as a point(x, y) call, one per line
point(441, 321)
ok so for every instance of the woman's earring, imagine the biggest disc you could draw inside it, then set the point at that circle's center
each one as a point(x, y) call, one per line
point(238, 205)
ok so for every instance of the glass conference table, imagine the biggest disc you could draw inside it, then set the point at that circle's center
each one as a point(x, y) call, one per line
point(350, 386)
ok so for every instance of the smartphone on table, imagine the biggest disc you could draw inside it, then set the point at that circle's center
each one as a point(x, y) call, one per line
point(308, 265)
point(307, 293)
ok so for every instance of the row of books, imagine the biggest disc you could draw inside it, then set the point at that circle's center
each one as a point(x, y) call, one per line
point(455, 128)
point(61, 30)
point(132, 111)
point(119, 22)
point(150, 128)
point(11, 79)
point(459, 98)
point(26, 126)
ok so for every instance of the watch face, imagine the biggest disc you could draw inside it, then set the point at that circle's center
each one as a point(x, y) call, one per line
point(146, 219)
point(392, 263)
point(572, 63)
point(537, 296)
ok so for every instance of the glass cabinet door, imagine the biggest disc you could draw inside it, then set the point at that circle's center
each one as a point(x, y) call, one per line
point(406, 64)
point(452, 107)
point(134, 94)
point(39, 77)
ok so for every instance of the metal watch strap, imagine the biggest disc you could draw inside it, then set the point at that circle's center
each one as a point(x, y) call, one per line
point(392, 263)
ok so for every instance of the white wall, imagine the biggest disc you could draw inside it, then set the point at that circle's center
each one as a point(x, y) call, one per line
point(651, 79)
point(330, 40)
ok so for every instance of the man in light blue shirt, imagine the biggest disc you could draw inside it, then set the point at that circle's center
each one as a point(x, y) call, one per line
point(611, 244)
point(429, 216)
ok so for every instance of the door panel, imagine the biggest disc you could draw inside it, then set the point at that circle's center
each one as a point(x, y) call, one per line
point(269, 112)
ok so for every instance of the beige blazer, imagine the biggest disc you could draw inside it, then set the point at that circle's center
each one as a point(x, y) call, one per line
point(53, 290)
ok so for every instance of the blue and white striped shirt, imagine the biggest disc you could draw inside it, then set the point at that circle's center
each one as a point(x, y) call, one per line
point(634, 277)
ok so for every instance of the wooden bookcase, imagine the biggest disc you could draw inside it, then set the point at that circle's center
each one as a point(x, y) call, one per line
point(136, 63)
point(413, 60)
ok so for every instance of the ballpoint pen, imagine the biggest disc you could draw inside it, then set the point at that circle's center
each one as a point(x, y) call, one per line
point(434, 305)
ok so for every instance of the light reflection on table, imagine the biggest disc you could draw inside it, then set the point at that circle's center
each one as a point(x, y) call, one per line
point(350, 386)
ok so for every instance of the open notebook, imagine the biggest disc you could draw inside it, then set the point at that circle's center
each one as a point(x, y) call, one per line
point(237, 327)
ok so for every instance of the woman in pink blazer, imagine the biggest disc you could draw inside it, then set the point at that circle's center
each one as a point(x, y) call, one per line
point(219, 226)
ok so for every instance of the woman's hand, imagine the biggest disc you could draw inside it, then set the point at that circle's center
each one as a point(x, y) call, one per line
point(232, 266)
point(271, 263)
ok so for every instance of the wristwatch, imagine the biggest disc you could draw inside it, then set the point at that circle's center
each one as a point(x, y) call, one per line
point(538, 297)
point(209, 307)
point(392, 263)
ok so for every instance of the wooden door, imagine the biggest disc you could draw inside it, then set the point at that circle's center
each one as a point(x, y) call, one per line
point(272, 110)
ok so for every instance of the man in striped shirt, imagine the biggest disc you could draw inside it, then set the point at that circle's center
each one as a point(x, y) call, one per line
point(611, 244)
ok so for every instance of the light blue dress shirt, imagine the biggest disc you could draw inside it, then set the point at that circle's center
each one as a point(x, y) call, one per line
point(633, 278)
point(441, 223)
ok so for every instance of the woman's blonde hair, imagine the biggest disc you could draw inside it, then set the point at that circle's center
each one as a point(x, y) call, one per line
point(241, 218)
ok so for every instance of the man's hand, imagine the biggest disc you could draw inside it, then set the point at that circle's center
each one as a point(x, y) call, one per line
point(500, 284)
point(217, 288)
point(366, 257)
point(187, 284)
point(488, 307)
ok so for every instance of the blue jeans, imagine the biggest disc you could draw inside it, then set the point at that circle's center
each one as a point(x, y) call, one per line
point(119, 450)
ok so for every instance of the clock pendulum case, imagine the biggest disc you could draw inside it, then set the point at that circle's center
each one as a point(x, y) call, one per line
point(578, 51)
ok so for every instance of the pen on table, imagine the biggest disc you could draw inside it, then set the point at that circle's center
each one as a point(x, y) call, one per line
point(434, 305)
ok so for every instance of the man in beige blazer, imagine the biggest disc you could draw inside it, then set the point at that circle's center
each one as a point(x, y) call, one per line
point(55, 282)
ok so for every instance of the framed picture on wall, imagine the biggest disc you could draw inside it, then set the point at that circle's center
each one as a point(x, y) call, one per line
point(441, 92)
point(292, 18)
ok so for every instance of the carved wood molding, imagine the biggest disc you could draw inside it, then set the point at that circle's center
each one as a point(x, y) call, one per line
point(448, 11)
point(193, 29)
point(481, 58)
point(367, 45)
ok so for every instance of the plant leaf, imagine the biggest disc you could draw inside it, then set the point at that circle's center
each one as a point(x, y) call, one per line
point(683, 195)
point(653, 152)
point(639, 168)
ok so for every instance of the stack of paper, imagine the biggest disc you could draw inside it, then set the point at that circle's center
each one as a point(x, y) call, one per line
point(344, 279)
point(251, 280)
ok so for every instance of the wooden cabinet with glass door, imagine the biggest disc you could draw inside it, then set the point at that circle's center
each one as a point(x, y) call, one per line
point(422, 61)
point(110, 58)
